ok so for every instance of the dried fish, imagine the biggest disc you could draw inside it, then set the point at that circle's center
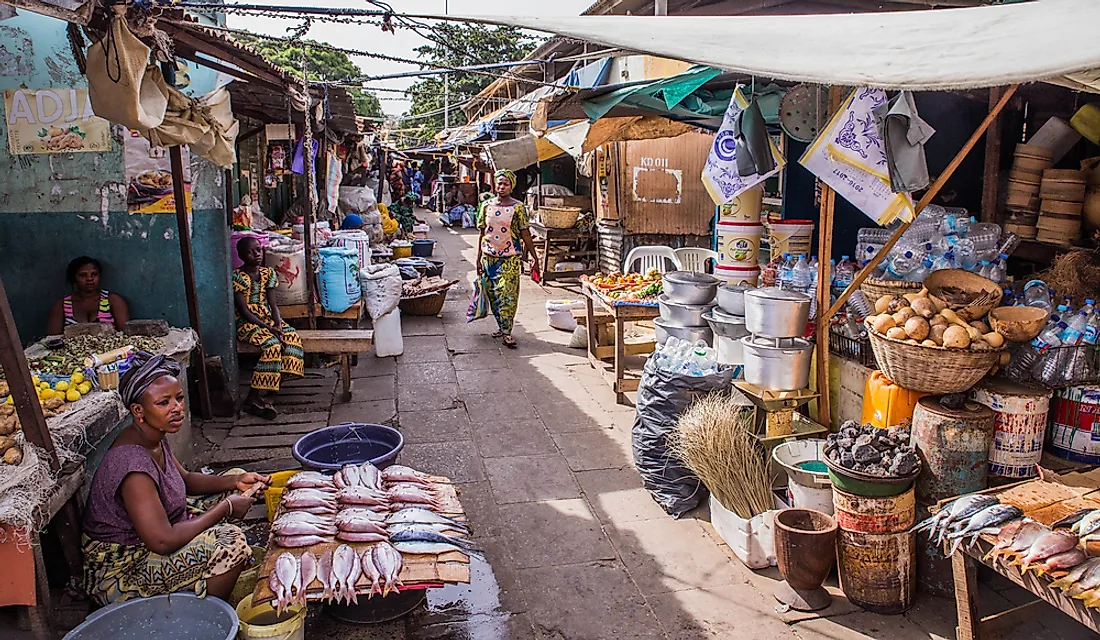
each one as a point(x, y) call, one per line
point(296, 542)
point(324, 574)
point(307, 572)
point(387, 559)
point(1046, 546)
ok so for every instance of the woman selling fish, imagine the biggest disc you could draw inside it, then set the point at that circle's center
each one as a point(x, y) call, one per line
point(505, 240)
point(144, 535)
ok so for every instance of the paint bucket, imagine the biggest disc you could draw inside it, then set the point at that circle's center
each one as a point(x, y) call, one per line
point(739, 243)
point(262, 622)
point(791, 236)
point(744, 208)
point(737, 275)
point(878, 571)
point(808, 484)
point(1074, 429)
point(1021, 424)
point(877, 515)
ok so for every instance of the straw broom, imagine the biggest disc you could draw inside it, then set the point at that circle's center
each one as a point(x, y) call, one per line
point(714, 438)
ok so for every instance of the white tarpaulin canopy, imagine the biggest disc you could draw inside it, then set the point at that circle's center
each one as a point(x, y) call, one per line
point(928, 50)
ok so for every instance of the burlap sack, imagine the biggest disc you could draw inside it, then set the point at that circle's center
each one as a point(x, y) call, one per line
point(122, 84)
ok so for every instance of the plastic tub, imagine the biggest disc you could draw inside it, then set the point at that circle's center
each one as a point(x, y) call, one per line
point(739, 243)
point(178, 616)
point(422, 248)
point(274, 493)
point(791, 236)
point(331, 448)
point(402, 251)
point(752, 541)
point(291, 625)
point(744, 208)
point(737, 275)
point(808, 484)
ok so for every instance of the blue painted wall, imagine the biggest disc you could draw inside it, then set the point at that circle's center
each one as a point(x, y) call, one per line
point(55, 207)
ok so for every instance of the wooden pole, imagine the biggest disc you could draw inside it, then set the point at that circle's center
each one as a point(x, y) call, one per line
point(932, 192)
point(992, 173)
point(20, 385)
point(311, 192)
point(824, 272)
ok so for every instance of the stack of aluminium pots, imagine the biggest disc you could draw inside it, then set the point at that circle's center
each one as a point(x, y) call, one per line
point(687, 296)
point(777, 358)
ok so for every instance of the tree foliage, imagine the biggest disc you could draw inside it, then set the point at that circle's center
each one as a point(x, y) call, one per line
point(461, 45)
point(322, 64)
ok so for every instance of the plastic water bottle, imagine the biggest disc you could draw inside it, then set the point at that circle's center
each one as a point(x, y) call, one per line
point(921, 272)
point(845, 272)
point(1031, 354)
point(1008, 243)
point(965, 254)
point(1036, 294)
point(1046, 367)
point(785, 273)
point(998, 269)
point(949, 226)
point(945, 261)
point(901, 265)
point(859, 305)
point(801, 277)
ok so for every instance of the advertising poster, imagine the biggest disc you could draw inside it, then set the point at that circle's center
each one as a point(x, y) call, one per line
point(149, 176)
point(53, 121)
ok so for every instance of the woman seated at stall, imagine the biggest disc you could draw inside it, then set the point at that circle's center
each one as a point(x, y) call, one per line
point(259, 324)
point(87, 302)
point(143, 533)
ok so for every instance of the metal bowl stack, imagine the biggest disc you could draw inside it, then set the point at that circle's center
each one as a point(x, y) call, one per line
point(687, 297)
point(727, 321)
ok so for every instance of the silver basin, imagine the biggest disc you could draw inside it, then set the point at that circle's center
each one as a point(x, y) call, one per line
point(776, 313)
point(683, 315)
point(689, 287)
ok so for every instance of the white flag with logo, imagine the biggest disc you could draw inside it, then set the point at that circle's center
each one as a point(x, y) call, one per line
point(720, 175)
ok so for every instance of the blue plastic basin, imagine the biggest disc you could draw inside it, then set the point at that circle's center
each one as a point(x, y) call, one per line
point(179, 616)
point(331, 448)
point(423, 248)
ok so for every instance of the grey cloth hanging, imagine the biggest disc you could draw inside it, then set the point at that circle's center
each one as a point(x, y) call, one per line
point(904, 134)
point(754, 154)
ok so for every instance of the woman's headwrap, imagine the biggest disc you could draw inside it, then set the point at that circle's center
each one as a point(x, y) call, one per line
point(504, 173)
point(145, 369)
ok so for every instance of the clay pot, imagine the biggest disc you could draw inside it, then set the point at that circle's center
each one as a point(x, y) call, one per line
point(805, 546)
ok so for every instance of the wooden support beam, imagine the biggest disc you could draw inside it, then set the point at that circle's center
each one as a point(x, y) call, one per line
point(824, 272)
point(20, 385)
point(965, 572)
point(991, 176)
point(932, 192)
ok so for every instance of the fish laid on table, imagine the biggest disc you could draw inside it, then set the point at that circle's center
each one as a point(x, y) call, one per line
point(1047, 545)
point(1061, 561)
point(342, 560)
point(303, 516)
point(311, 480)
point(307, 572)
point(431, 548)
point(353, 577)
point(371, 571)
point(296, 542)
point(1084, 577)
point(441, 528)
point(324, 574)
point(413, 535)
point(387, 560)
point(419, 514)
point(400, 506)
point(361, 536)
point(360, 525)
point(298, 528)
point(413, 496)
point(986, 521)
point(283, 580)
point(1070, 520)
point(309, 499)
point(398, 473)
point(370, 476)
point(362, 512)
point(347, 477)
point(1088, 524)
point(412, 486)
point(958, 509)
point(364, 475)
point(1020, 539)
point(362, 496)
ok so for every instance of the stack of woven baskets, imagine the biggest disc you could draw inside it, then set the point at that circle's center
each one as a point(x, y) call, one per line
point(1063, 197)
point(1024, 185)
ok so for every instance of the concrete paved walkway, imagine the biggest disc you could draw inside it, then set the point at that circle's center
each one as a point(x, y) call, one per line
point(575, 547)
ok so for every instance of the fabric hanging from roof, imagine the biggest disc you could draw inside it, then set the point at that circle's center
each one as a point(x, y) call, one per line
point(927, 50)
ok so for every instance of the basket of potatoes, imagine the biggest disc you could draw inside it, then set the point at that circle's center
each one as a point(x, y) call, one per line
point(924, 346)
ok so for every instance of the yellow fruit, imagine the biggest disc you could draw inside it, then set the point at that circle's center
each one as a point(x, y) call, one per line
point(84, 388)
point(35, 380)
point(10, 400)
point(62, 386)
point(46, 394)
point(43, 385)
point(72, 395)
point(77, 378)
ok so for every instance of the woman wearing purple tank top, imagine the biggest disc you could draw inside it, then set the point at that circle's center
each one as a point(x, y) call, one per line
point(143, 534)
point(87, 303)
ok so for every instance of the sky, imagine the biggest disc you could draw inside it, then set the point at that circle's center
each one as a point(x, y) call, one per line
point(402, 43)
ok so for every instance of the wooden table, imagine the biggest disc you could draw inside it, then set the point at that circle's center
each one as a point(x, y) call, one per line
point(618, 314)
point(550, 237)
point(298, 311)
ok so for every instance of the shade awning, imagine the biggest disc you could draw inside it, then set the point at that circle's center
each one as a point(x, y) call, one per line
point(927, 50)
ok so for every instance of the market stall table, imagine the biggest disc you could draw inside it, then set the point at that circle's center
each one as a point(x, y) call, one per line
point(620, 313)
point(299, 311)
point(550, 237)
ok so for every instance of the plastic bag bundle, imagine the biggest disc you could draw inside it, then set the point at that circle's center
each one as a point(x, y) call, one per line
point(381, 289)
point(479, 301)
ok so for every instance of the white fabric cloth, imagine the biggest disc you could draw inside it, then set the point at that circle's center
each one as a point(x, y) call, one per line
point(942, 49)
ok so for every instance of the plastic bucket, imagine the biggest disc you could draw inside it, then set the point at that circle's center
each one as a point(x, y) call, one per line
point(791, 236)
point(269, 625)
point(744, 208)
point(274, 493)
point(331, 448)
point(739, 243)
point(737, 275)
point(423, 248)
point(402, 252)
point(808, 484)
point(178, 616)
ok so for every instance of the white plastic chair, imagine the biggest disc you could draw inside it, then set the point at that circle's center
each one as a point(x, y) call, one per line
point(695, 258)
point(652, 257)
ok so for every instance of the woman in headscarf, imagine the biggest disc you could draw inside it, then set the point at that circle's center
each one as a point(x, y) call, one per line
point(504, 242)
point(144, 535)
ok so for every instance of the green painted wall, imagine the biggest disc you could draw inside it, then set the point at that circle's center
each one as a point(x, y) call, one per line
point(54, 207)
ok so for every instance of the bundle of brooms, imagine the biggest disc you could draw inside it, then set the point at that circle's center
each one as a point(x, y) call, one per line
point(714, 438)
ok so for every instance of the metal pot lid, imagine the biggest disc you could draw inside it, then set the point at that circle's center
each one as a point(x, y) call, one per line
point(692, 278)
point(664, 299)
point(722, 316)
point(737, 288)
point(775, 293)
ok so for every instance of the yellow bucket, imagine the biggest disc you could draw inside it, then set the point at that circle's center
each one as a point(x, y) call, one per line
point(246, 582)
point(274, 493)
point(402, 252)
point(261, 622)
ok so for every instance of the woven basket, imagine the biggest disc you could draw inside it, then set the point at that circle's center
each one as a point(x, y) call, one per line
point(875, 289)
point(971, 283)
point(559, 217)
point(936, 370)
point(429, 304)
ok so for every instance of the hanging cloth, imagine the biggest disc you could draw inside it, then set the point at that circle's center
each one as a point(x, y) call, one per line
point(753, 144)
point(904, 135)
point(122, 85)
point(721, 175)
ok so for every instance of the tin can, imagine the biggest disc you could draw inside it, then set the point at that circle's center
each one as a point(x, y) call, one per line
point(1020, 426)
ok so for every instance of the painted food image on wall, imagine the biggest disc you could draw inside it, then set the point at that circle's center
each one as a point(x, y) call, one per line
point(149, 176)
point(53, 121)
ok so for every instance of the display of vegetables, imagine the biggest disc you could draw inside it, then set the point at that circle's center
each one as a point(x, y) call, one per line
point(627, 286)
point(917, 319)
point(70, 356)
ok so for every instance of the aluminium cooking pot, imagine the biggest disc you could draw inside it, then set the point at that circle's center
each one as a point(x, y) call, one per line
point(731, 297)
point(723, 324)
point(683, 315)
point(689, 287)
point(778, 365)
point(776, 313)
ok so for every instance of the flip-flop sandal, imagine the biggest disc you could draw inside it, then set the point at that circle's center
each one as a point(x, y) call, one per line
point(510, 342)
point(498, 334)
point(261, 411)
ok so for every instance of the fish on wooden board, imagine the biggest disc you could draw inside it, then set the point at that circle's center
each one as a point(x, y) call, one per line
point(361, 496)
point(413, 535)
point(388, 561)
point(363, 512)
point(398, 473)
point(986, 521)
point(1061, 561)
point(1088, 524)
point(370, 476)
point(324, 574)
point(285, 576)
point(431, 548)
point(342, 560)
point(297, 528)
point(420, 514)
point(1025, 536)
point(1079, 575)
point(303, 516)
point(311, 480)
point(297, 542)
point(371, 571)
point(1046, 546)
point(353, 577)
point(361, 536)
point(307, 573)
point(1066, 522)
point(361, 525)
point(441, 528)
